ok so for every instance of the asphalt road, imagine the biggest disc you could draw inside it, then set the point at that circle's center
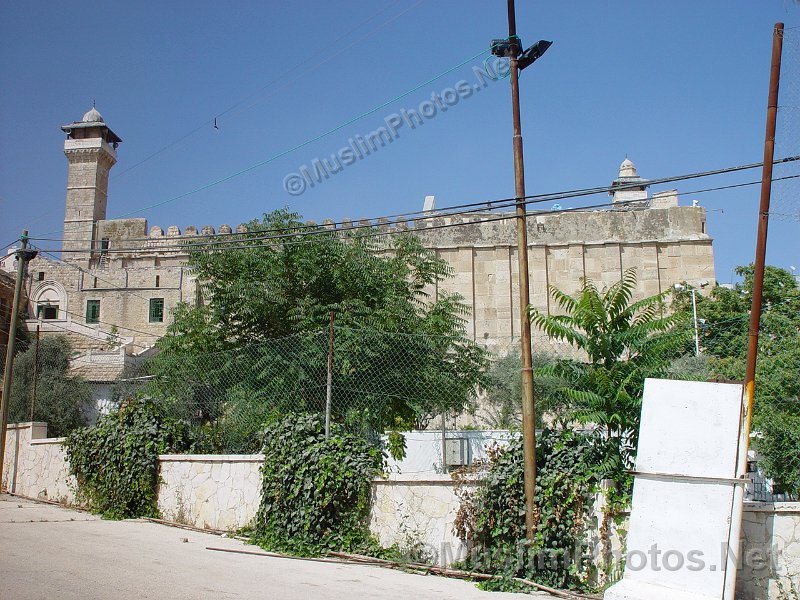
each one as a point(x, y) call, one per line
point(52, 553)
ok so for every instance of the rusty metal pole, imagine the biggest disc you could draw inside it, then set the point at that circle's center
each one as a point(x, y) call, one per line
point(763, 220)
point(329, 386)
point(528, 402)
point(758, 284)
point(35, 372)
point(22, 257)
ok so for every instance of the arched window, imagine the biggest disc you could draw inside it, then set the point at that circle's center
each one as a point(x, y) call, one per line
point(49, 300)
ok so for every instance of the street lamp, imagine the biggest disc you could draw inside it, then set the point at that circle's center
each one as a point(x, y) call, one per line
point(678, 287)
point(511, 48)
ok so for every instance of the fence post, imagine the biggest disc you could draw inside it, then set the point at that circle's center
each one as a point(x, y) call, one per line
point(444, 444)
point(329, 387)
point(35, 372)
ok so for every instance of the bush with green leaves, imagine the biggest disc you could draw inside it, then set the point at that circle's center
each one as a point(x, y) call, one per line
point(115, 462)
point(624, 342)
point(315, 493)
point(61, 400)
point(492, 522)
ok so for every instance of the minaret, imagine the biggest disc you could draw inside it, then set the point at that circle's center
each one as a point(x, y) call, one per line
point(90, 148)
point(634, 193)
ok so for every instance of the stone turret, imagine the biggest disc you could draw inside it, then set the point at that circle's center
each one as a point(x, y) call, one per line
point(90, 149)
point(628, 187)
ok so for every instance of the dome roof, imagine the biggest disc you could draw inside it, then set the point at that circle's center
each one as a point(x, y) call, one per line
point(628, 169)
point(93, 116)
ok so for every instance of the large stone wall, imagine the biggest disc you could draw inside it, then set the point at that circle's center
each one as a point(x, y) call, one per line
point(223, 492)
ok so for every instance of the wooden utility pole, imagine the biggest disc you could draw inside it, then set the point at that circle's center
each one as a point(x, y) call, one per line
point(758, 286)
point(23, 255)
point(528, 401)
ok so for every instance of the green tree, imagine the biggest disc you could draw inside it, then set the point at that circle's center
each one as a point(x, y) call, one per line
point(258, 346)
point(62, 400)
point(624, 342)
point(724, 318)
point(504, 392)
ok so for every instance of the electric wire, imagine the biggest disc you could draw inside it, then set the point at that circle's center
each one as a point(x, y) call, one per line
point(491, 204)
point(311, 56)
point(307, 230)
point(306, 142)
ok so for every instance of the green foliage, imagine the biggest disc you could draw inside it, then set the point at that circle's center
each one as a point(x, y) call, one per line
point(258, 346)
point(567, 477)
point(624, 342)
point(61, 399)
point(724, 318)
point(315, 492)
point(396, 445)
point(116, 461)
point(504, 391)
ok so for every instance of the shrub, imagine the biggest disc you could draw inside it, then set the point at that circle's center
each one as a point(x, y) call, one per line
point(116, 461)
point(315, 492)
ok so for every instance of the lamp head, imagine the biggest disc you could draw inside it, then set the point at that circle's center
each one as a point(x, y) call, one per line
point(530, 55)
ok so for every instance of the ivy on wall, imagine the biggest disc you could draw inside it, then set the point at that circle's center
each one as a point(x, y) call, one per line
point(315, 493)
point(115, 462)
point(492, 520)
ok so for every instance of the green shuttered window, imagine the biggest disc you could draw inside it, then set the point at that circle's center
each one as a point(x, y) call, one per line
point(93, 311)
point(156, 310)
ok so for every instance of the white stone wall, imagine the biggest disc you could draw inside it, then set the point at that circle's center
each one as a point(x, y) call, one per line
point(35, 465)
point(411, 510)
point(210, 491)
point(418, 514)
point(770, 552)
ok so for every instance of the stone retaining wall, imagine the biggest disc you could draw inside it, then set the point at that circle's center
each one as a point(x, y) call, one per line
point(223, 492)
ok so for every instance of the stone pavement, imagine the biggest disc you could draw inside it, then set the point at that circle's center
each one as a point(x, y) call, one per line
point(48, 552)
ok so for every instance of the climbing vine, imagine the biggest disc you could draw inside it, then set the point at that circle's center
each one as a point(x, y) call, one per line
point(315, 492)
point(492, 519)
point(115, 462)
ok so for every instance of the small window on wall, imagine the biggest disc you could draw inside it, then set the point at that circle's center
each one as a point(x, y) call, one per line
point(41, 275)
point(47, 311)
point(158, 280)
point(93, 311)
point(156, 310)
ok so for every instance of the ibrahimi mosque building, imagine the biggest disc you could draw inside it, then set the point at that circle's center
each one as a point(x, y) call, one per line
point(113, 289)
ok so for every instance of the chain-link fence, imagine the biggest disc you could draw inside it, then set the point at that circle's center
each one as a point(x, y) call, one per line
point(383, 381)
point(785, 204)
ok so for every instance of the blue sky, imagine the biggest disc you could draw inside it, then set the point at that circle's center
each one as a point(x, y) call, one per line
point(677, 86)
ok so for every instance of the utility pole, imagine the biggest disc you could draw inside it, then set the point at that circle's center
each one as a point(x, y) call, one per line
point(512, 48)
point(758, 286)
point(23, 256)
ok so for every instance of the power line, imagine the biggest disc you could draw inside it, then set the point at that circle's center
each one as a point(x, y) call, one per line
point(87, 272)
point(310, 56)
point(495, 203)
point(307, 141)
point(304, 231)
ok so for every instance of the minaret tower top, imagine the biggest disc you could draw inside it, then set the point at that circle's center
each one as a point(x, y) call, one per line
point(91, 150)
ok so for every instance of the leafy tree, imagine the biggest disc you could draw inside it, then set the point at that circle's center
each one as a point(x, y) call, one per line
point(724, 318)
point(504, 392)
point(61, 399)
point(258, 346)
point(624, 342)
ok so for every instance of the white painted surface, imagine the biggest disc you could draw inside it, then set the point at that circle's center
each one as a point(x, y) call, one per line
point(688, 430)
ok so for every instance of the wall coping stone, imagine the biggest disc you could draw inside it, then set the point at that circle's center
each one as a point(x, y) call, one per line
point(212, 458)
point(773, 507)
point(42, 441)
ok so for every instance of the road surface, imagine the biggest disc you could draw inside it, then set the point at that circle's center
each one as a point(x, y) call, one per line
point(52, 553)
